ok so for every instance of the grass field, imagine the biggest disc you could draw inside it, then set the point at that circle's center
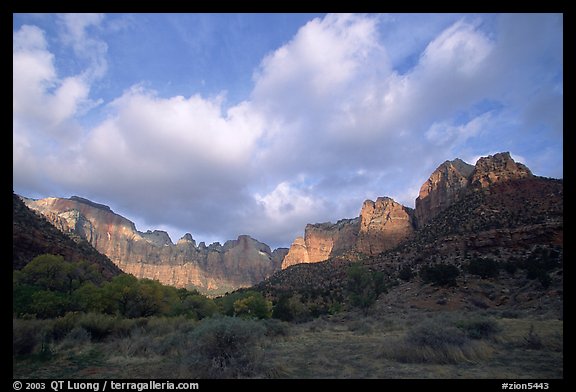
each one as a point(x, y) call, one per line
point(401, 345)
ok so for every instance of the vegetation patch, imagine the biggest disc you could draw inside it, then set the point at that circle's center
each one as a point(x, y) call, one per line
point(225, 347)
point(432, 342)
point(440, 274)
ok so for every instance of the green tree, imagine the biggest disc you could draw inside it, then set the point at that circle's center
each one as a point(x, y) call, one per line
point(194, 305)
point(48, 272)
point(364, 286)
point(49, 304)
point(89, 298)
point(253, 305)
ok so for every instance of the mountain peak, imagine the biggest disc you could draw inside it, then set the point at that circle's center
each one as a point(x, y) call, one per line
point(497, 167)
point(442, 188)
point(448, 183)
point(90, 203)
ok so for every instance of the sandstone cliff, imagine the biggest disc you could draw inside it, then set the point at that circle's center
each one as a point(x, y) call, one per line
point(453, 179)
point(32, 235)
point(383, 225)
point(321, 241)
point(496, 168)
point(218, 268)
point(442, 189)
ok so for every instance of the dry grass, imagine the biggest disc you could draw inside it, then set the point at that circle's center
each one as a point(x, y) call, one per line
point(408, 343)
point(388, 347)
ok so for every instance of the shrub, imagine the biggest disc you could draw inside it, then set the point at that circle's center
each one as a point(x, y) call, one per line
point(510, 267)
point(433, 342)
point(26, 336)
point(63, 325)
point(440, 274)
point(532, 340)
point(77, 337)
point(225, 347)
point(479, 328)
point(485, 268)
point(405, 273)
point(292, 309)
point(275, 327)
point(364, 286)
point(282, 309)
point(99, 325)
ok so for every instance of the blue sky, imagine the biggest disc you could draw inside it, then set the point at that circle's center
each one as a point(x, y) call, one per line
point(228, 124)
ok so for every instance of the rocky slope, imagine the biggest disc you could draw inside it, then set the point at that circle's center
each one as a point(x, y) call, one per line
point(33, 235)
point(214, 268)
point(517, 222)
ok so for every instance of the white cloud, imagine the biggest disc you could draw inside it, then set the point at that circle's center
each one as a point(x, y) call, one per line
point(286, 202)
point(460, 49)
point(446, 133)
point(86, 46)
point(329, 122)
point(44, 105)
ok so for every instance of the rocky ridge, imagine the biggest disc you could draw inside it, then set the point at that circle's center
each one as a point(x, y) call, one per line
point(215, 268)
point(453, 180)
point(517, 223)
point(33, 235)
point(381, 226)
point(384, 224)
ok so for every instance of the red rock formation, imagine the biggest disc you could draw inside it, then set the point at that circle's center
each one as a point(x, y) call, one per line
point(298, 253)
point(452, 179)
point(322, 241)
point(496, 168)
point(442, 189)
point(238, 263)
point(383, 225)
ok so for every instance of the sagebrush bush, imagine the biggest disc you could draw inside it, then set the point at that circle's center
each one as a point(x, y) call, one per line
point(77, 337)
point(275, 327)
point(434, 342)
point(225, 347)
point(27, 335)
point(479, 328)
point(61, 326)
point(99, 325)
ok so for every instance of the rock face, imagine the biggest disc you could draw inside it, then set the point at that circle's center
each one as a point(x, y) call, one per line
point(496, 168)
point(32, 235)
point(442, 189)
point(217, 268)
point(383, 225)
point(453, 179)
point(322, 241)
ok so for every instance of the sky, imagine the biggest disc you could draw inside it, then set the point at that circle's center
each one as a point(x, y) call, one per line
point(226, 124)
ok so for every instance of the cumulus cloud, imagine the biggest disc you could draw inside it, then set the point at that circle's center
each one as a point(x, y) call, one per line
point(85, 46)
point(335, 116)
